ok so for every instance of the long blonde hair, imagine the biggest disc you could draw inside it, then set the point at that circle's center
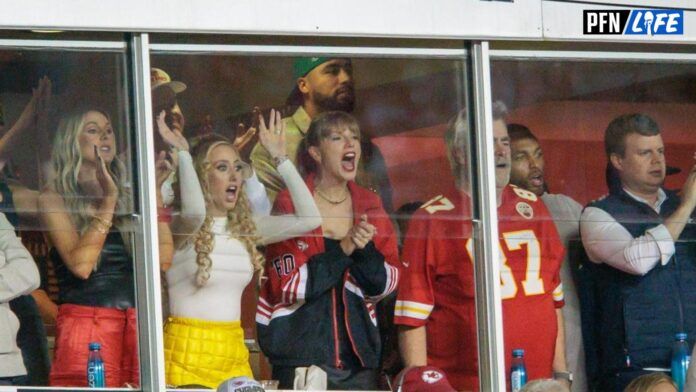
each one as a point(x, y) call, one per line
point(66, 162)
point(240, 224)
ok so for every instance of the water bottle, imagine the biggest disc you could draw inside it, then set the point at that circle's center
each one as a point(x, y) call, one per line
point(681, 356)
point(95, 367)
point(518, 372)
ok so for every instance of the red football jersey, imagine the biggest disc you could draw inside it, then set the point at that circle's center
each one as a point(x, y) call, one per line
point(437, 285)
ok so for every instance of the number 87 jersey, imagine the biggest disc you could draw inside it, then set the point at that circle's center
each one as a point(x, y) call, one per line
point(437, 285)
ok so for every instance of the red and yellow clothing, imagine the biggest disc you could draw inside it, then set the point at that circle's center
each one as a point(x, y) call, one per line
point(117, 332)
point(437, 287)
point(311, 288)
point(204, 352)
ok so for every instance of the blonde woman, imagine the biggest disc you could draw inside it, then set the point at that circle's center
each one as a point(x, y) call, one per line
point(204, 341)
point(85, 213)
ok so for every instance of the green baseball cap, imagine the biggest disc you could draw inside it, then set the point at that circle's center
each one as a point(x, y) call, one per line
point(303, 65)
point(300, 68)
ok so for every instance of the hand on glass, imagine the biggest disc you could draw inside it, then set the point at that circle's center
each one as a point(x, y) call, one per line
point(37, 105)
point(247, 135)
point(174, 138)
point(105, 178)
point(273, 136)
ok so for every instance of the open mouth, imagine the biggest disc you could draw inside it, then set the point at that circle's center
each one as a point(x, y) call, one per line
point(536, 180)
point(106, 149)
point(348, 161)
point(231, 193)
point(656, 173)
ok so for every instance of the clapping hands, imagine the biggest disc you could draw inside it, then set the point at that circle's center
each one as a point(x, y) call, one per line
point(358, 236)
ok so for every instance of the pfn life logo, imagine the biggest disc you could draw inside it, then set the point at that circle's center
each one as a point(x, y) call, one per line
point(633, 22)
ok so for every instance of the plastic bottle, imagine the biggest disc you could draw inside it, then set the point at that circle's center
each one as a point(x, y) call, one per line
point(95, 367)
point(518, 371)
point(681, 356)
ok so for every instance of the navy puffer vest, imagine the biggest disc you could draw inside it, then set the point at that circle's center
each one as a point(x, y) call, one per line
point(639, 315)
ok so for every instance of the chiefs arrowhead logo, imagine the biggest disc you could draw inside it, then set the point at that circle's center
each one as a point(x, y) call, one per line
point(431, 376)
point(525, 210)
point(302, 245)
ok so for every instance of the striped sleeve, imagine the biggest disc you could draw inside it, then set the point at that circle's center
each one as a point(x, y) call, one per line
point(412, 309)
point(415, 299)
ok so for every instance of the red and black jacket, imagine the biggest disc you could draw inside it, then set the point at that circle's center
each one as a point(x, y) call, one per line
point(297, 315)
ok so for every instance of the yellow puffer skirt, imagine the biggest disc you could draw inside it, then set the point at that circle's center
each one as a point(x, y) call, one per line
point(204, 352)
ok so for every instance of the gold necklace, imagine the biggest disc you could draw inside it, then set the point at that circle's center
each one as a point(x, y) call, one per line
point(334, 202)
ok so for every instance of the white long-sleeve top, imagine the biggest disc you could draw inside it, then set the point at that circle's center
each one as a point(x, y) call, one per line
point(192, 213)
point(257, 195)
point(607, 241)
point(220, 298)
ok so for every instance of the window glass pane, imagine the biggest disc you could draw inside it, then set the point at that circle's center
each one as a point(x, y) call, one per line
point(67, 191)
point(305, 41)
point(614, 137)
point(378, 121)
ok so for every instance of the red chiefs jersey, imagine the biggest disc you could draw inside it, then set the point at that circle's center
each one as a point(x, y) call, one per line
point(437, 285)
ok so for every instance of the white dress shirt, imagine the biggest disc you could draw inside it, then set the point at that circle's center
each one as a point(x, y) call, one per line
point(607, 241)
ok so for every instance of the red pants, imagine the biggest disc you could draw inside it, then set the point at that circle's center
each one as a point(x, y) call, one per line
point(116, 330)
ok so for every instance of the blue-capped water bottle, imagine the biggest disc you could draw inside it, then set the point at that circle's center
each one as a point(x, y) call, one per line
point(95, 367)
point(518, 371)
point(681, 356)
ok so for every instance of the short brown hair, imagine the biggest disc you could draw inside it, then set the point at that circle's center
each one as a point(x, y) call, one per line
point(647, 382)
point(624, 125)
point(520, 132)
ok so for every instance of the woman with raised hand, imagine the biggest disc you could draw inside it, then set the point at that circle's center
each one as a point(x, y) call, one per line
point(204, 340)
point(85, 212)
point(318, 305)
point(178, 225)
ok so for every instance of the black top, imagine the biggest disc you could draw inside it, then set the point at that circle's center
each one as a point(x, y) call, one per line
point(345, 351)
point(110, 286)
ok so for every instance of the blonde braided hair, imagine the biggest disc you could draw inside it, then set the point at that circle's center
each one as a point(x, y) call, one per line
point(240, 224)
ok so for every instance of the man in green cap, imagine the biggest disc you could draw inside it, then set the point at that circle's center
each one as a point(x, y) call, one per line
point(321, 84)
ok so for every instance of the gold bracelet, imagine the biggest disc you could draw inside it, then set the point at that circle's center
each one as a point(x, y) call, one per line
point(100, 224)
point(101, 220)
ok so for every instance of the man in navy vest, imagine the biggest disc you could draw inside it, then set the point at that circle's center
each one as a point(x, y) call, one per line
point(640, 239)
